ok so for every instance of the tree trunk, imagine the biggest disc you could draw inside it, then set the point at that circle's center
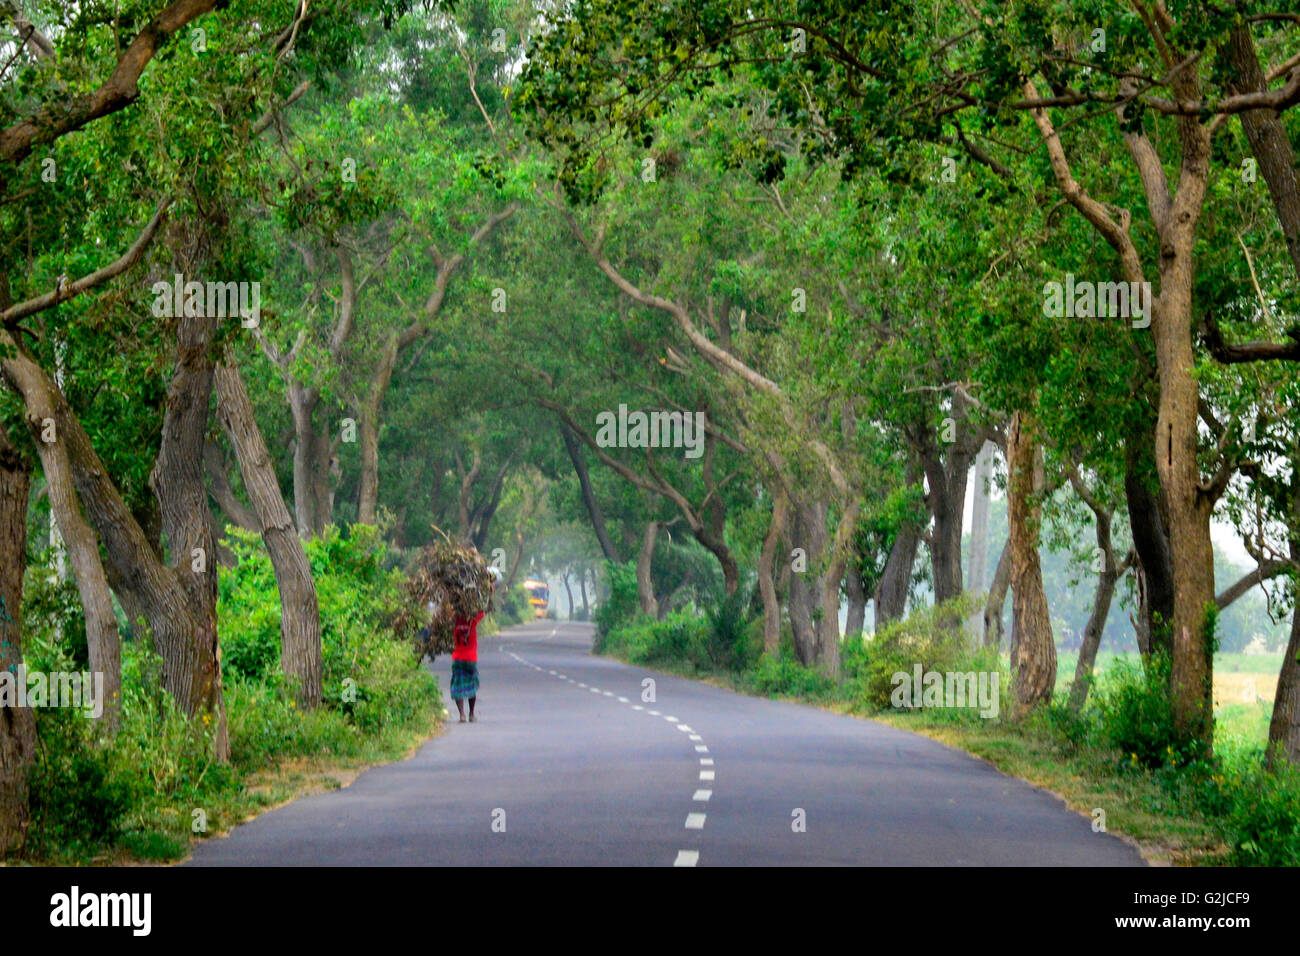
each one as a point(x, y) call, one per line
point(1268, 140)
point(856, 619)
point(1150, 543)
point(178, 484)
point(582, 587)
point(371, 408)
point(1033, 659)
point(1101, 602)
point(1190, 545)
point(300, 639)
point(1284, 727)
point(808, 531)
point(766, 571)
point(828, 631)
point(645, 589)
point(588, 496)
point(102, 639)
point(979, 523)
point(17, 726)
point(568, 592)
point(896, 581)
point(997, 599)
point(309, 461)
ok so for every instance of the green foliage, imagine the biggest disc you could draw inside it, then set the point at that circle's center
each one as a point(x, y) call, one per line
point(926, 637)
point(621, 604)
point(1260, 811)
point(1135, 714)
point(780, 675)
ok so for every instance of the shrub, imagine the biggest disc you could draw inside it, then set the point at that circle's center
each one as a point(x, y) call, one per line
point(1135, 715)
point(621, 606)
point(781, 675)
point(931, 637)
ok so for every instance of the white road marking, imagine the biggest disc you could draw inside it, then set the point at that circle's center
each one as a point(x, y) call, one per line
point(687, 858)
point(622, 700)
point(653, 713)
point(671, 720)
point(594, 690)
point(695, 821)
point(706, 774)
point(637, 707)
point(581, 684)
point(706, 761)
point(701, 749)
point(552, 673)
point(696, 737)
point(685, 729)
point(702, 795)
point(607, 693)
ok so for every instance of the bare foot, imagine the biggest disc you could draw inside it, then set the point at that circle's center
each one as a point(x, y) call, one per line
point(462, 718)
point(472, 718)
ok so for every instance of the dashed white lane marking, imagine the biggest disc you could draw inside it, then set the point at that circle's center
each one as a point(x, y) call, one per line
point(694, 821)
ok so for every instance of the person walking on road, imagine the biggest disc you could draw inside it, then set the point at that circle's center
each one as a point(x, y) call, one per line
point(464, 665)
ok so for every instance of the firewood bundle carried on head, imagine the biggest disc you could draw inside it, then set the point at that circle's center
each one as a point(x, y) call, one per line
point(451, 583)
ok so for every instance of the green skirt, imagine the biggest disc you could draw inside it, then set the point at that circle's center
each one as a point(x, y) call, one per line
point(464, 679)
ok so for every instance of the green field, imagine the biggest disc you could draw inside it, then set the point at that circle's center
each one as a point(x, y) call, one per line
point(1244, 685)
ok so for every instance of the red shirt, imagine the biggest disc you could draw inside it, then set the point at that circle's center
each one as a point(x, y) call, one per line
point(466, 635)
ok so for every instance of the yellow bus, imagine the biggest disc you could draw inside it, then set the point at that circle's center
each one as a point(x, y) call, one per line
point(539, 596)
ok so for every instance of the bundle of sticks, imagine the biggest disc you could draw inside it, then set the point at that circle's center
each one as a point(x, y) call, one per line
point(449, 582)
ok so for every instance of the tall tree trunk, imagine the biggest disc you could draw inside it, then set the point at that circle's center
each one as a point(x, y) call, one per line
point(997, 599)
point(102, 639)
point(309, 461)
point(856, 618)
point(979, 521)
point(17, 726)
point(371, 408)
point(582, 587)
point(828, 631)
point(896, 581)
point(808, 531)
point(1268, 140)
point(300, 639)
point(645, 588)
point(1284, 727)
point(1190, 545)
point(1033, 659)
point(1101, 602)
point(767, 569)
point(588, 496)
point(568, 592)
point(178, 483)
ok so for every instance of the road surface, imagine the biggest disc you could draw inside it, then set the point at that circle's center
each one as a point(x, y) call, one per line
point(569, 765)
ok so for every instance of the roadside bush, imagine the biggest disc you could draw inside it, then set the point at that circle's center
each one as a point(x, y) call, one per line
point(780, 675)
point(1260, 811)
point(1133, 707)
point(621, 606)
point(932, 637)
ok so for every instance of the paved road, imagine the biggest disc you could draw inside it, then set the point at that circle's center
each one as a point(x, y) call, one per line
point(568, 765)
